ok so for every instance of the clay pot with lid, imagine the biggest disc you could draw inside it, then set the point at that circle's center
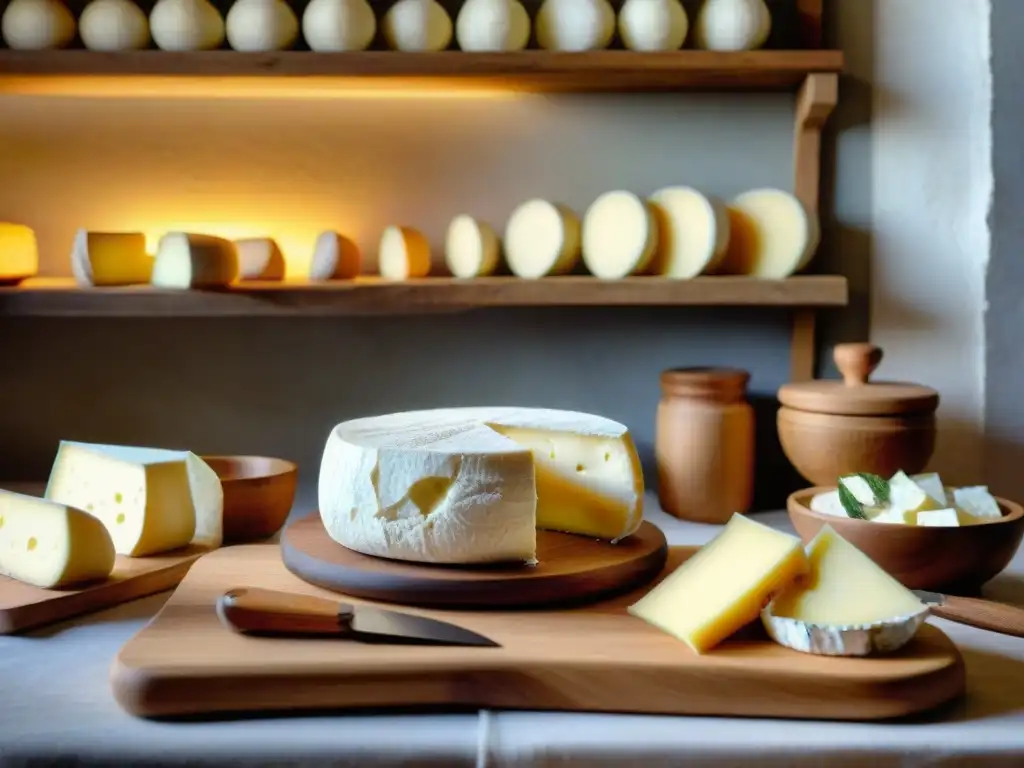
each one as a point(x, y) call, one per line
point(833, 428)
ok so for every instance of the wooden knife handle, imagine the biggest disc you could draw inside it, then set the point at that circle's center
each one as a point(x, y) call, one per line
point(267, 612)
point(985, 614)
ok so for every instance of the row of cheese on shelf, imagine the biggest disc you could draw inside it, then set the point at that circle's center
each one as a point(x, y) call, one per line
point(105, 500)
point(826, 598)
point(907, 500)
point(408, 25)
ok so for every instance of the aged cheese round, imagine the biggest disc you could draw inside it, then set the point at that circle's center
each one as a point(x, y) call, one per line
point(620, 234)
point(32, 25)
point(113, 25)
point(261, 25)
point(417, 25)
point(404, 253)
point(186, 25)
point(771, 234)
point(492, 25)
point(471, 247)
point(653, 25)
point(693, 232)
point(541, 239)
point(339, 25)
point(575, 25)
point(335, 257)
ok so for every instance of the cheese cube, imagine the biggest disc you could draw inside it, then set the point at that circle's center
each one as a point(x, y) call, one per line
point(693, 232)
point(938, 517)
point(110, 258)
point(151, 500)
point(51, 545)
point(772, 234)
point(893, 516)
point(619, 235)
point(931, 484)
point(404, 253)
point(471, 247)
point(19, 254)
point(828, 503)
point(335, 257)
point(724, 585)
point(977, 502)
point(905, 495)
point(259, 258)
point(542, 239)
point(185, 261)
point(843, 586)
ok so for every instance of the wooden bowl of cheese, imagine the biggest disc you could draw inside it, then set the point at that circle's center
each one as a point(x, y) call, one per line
point(939, 546)
point(258, 495)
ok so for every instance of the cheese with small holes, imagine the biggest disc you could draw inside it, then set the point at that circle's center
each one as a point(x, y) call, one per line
point(771, 234)
point(110, 258)
point(51, 545)
point(185, 261)
point(472, 485)
point(724, 585)
point(404, 253)
point(542, 239)
point(693, 232)
point(335, 257)
point(19, 253)
point(259, 258)
point(151, 500)
point(619, 235)
point(471, 247)
point(843, 586)
point(977, 502)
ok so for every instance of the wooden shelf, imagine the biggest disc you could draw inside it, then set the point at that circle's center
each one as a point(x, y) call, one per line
point(80, 71)
point(52, 297)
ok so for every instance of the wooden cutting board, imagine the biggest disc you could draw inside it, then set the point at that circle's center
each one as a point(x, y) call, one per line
point(595, 658)
point(23, 606)
point(569, 569)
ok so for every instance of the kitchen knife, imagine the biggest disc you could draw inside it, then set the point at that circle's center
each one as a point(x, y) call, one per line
point(255, 611)
point(976, 612)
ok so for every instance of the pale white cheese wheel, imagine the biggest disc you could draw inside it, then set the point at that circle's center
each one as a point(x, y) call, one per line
point(260, 258)
point(417, 25)
point(471, 247)
point(186, 25)
point(492, 25)
point(35, 25)
point(575, 25)
point(653, 25)
point(771, 234)
point(732, 25)
point(339, 25)
point(693, 230)
point(404, 253)
point(261, 25)
point(113, 25)
point(620, 235)
point(542, 239)
point(335, 257)
point(186, 261)
point(110, 258)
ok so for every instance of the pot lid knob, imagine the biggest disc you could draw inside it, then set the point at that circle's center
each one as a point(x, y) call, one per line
point(856, 362)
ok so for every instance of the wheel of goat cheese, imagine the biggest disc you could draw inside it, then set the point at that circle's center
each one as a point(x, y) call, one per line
point(772, 234)
point(693, 232)
point(471, 247)
point(472, 485)
point(542, 239)
point(620, 235)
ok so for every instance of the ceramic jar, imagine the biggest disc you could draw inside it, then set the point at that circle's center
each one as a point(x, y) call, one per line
point(833, 428)
point(704, 444)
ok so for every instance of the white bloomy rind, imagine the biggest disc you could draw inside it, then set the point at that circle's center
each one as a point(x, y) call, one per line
point(842, 640)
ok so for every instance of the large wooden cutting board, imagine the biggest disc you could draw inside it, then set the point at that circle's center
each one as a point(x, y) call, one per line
point(594, 658)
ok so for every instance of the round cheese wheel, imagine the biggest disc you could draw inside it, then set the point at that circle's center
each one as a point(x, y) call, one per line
point(335, 257)
point(541, 239)
point(575, 25)
point(471, 247)
point(417, 25)
point(620, 234)
point(339, 25)
point(113, 25)
point(34, 25)
point(492, 25)
point(653, 25)
point(404, 253)
point(772, 234)
point(693, 232)
point(186, 25)
point(732, 25)
point(261, 25)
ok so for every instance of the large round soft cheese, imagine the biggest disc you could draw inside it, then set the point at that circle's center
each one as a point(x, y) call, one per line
point(417, 25)
point(472, 485)
point(261, 25)
point(575, 25)
point(492, 25)
point(113, 25)
point(33, 25)
point(339, 25)
point(772, 234)
point(653, 25)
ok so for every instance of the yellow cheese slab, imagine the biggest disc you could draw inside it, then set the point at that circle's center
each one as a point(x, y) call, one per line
point(723, 586)
point(19, 254)
point(843, 586)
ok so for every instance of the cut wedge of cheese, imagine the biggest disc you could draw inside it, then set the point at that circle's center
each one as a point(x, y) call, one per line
point(471, 247)
point(110, 258)
point(19, 253)
point(693, 232)
point(404, 253)
point(51, 545)
point(185, 261)
point(259, 258)
point(619, 235)
point(472, 485)
point(724, 585)
point(772, 235)
point(542, 239)
point(150, 499)
point(335, 257)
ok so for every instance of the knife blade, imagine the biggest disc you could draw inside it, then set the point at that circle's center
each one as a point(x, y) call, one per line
point(977, 612)
point(257, 611)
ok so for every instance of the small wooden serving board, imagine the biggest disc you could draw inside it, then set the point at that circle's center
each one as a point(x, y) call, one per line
point(23, 606)
point(595, 658)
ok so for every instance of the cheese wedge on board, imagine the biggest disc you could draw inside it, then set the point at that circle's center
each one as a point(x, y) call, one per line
point(471, 247)
point(772, 234)
point(151, 500)
point(335, 257)
point(693, 232)
point(404, 253)
point(542, 239)
point(110, 258)
point(185, 261)
point(472, 485)
point(259, 258)
point(724, 585)
point(619, 235)
point(19, 253)
point(51, 545)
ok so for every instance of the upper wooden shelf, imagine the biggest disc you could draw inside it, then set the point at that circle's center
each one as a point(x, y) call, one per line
point(78, 71)
point(59, 297)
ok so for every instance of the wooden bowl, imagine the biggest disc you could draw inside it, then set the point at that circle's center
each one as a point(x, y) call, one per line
point(957, 560)
point(258, 495)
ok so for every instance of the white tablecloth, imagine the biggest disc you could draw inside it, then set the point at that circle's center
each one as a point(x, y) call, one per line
point(55, 704)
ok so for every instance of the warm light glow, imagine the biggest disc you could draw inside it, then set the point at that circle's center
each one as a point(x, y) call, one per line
point(19, 255)
point(296, 243)
point(185, 87)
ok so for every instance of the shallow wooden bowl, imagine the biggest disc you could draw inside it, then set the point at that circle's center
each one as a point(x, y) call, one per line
point(258, 495)
point(957, 560)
